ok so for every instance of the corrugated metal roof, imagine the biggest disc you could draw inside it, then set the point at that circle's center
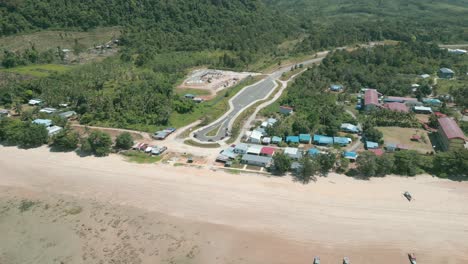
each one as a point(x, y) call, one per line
point(268, 151)
point(446, 70)
point(400, 99)
point(255, 149)
point(293, 139)
point(255, 158)
point(323, 139)
point(45, 122)
point(371, 96)
point(371, 145)
point(451, 128)
point(276, 139)
point(398, 107)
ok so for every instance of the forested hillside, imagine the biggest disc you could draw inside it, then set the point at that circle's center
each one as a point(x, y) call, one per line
point(163, 25)
point(330, 23)
point(160, 41)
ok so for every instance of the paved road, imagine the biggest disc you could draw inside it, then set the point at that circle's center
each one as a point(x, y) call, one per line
point(243, 99)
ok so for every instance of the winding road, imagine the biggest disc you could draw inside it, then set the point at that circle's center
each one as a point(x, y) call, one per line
point(244, 99)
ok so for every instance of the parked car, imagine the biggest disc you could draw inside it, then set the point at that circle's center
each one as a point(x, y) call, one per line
point(158, 150)
point(148, 149)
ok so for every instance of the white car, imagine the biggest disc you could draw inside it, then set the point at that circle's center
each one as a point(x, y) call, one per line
point(148, 149)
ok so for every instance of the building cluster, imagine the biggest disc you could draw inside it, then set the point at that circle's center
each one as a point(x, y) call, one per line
point(51, 128)
point(261, 156)
point(371, 99)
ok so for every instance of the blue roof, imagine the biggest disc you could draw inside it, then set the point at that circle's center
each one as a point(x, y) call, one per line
point(323, 139)
point(341, 140)
point(432, 101)
point(349, 154)
point(336, 87)
point(276, 139)
point(313, 152)
point(304, 137)
point(293, 139)
point(371, 145)
point(45, 122)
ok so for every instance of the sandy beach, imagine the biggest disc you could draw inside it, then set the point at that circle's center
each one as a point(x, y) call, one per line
point(106, 210)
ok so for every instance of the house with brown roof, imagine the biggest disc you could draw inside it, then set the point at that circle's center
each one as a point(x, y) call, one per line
point(396, 107)
point(371, 99)
point(450, 134)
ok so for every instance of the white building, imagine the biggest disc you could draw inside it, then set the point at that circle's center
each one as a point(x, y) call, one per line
point(53, 130)
point(255, 137)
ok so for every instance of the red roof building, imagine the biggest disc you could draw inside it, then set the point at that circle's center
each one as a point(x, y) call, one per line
point(397, 107)
point(377, 152)
point(371, 99)
point(268, 151)
point(439, 114)
point(450, 134)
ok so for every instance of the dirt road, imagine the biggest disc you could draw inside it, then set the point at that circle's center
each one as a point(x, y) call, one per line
point(284, 221)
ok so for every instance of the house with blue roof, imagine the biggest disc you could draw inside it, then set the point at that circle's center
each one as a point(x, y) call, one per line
point(305, 138)
point(292, 139)
point(313, 152)
point(372, 145)
point(342, 141)
point(336, 88)
point(350, 155)
point(276, 140)
point(323, 140)
point(432, 101)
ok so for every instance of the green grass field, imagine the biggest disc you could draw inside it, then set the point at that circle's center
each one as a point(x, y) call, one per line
point(212, 109)
point(39, 70)
point(444, 86)
point(197, 92)
point(141, 158)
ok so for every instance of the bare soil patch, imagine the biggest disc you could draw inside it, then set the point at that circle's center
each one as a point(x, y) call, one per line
point(212, 81)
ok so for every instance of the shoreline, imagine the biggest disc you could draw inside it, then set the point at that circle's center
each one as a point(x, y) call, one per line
point(337, 212)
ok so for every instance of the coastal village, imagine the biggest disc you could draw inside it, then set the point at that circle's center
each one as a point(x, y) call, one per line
point(257, 146)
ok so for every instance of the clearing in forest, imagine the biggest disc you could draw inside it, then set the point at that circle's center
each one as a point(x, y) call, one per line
point(212, 81)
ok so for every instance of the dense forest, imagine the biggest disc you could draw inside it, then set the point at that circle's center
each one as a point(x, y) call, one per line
point(331, 23)
point(155, 25)
point(391, 68)
point(162, 39)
